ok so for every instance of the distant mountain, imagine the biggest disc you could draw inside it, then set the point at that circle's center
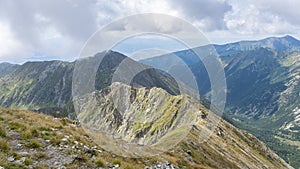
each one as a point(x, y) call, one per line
point(6, 68)
point(286, 43)
point(262, 87)
point(47, 86)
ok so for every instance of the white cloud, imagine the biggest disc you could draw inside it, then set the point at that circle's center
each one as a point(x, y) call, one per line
point(10, 45)
point(58, 29)
point(262, 17)
point(208, 14)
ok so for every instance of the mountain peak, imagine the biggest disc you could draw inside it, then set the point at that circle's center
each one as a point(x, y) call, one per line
point(289, 37)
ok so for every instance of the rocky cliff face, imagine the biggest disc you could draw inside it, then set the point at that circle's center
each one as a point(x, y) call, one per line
point(139, 115)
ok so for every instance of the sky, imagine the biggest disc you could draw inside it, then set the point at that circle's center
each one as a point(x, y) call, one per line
point(58, 29)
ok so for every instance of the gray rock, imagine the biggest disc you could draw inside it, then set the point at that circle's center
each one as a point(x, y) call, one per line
point(21, 161)
point(10, 159)
point(161, 165)
point(24, 153)
point(65, 140)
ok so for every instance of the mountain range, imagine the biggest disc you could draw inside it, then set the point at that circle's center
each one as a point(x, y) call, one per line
point(262, 98)
point(262, 87)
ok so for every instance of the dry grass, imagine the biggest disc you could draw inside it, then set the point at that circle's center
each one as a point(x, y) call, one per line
point(33, 127)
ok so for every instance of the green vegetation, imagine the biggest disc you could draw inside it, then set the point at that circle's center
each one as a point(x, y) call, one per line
point(99, 163)
point(117, 162)
point(33, 144)
point(3, 145)
point(2, 132)
point(288, 151)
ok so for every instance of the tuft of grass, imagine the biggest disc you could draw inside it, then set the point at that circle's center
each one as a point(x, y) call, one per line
point(40, 155)
point(16, 126)
point(44, 128)
point(33, 144)
point(3, 145)
point(46, 137)
point(26, 135)
point(54, 141)
point(28, 161)
point(42, 166)
point(128, 167)
point(117, 162)
point(182, 164)
point(99, 163)
point(64, 122)
point(35, 133)
point(69, 152)
point(15, 166)
point(2, 132)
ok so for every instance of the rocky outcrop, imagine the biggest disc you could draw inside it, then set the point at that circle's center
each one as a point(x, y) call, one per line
point(152, 118)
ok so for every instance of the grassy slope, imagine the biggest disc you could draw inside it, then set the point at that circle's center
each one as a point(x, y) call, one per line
point(233, 148)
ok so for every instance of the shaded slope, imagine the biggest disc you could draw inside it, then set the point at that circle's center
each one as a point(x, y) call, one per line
point(6, 68)
point(47, 86)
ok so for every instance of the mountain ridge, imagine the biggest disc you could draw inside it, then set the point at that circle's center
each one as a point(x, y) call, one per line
point(262, 84)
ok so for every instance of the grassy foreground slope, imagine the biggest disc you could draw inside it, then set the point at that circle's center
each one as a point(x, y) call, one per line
point(32, 140)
